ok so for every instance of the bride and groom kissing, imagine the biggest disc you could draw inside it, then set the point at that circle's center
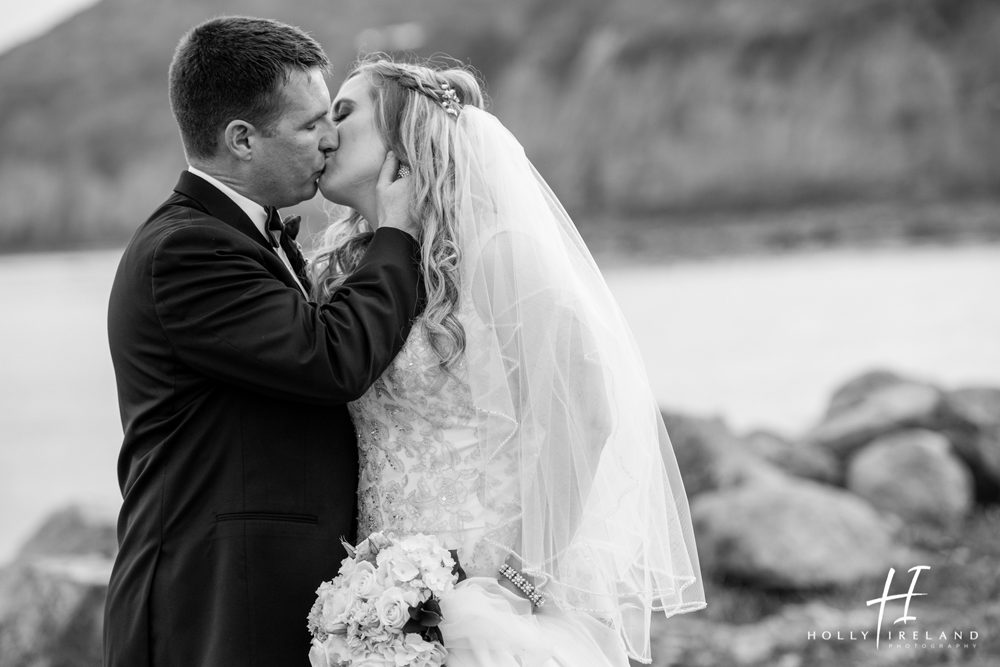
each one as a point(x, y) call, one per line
point(450, 363)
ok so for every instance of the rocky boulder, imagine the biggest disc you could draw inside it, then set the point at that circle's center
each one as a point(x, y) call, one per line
point(854, 391)
point(914, 475)
point(776, 640)
point(803, 460)
point(974, 432)
point(710, 456)
point(794, 534)
point(74, 530)
point(52, 595)
point(980, 406)
point(872, 405)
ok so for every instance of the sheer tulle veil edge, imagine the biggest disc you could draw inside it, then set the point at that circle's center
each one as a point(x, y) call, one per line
point(602, 520)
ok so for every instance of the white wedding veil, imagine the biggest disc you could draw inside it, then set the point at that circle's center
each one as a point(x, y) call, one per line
point(559, 386)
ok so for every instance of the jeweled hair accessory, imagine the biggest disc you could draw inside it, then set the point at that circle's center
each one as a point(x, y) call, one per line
point(449, 100)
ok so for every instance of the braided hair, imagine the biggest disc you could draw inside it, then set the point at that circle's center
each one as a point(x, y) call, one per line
point(416, 108)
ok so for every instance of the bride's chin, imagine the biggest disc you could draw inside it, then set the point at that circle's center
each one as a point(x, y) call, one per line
point(331, 194)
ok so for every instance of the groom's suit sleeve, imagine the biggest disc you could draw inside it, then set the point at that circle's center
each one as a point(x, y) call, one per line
point(228, 317)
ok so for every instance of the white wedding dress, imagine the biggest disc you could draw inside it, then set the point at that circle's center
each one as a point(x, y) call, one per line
point(422, 471)
point(542, 447)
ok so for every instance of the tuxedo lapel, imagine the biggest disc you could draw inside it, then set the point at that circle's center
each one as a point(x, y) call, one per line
point(219, 206)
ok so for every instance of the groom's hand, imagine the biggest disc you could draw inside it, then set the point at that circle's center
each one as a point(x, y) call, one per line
point(392, 198)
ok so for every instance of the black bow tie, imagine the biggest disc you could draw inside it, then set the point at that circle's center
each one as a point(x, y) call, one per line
point(274, 224)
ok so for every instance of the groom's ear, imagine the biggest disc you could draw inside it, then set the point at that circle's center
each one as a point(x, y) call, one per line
point(238, 138)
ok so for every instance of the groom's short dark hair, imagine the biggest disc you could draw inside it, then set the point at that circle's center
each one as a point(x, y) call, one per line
point(233, 67)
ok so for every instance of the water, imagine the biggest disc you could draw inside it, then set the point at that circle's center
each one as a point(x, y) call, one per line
point(760, 341)
point(59, 425)
point(763, 342)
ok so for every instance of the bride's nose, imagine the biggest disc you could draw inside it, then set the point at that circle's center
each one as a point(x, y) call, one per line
point(330, 140)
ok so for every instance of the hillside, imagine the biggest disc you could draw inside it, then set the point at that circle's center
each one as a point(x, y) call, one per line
point(634, 108)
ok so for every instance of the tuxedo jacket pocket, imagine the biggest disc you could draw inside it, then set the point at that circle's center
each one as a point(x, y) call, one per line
point(281, 517)
point(255, 526)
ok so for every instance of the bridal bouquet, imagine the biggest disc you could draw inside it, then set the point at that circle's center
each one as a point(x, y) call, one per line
point(382, 609)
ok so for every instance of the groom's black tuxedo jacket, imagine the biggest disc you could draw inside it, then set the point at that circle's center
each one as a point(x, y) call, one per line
point(239, 465)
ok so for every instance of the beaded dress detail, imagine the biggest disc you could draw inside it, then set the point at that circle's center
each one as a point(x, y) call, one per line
point(422, 468)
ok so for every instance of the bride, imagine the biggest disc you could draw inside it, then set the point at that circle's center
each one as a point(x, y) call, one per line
point(516, 424)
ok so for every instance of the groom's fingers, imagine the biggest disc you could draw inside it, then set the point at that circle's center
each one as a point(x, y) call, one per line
point(389, 167)
point(392, 198)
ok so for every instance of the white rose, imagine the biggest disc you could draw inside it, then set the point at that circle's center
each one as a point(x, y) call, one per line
point(404, 570)
point(329, 653)
point(393, 608)
point(317, 655)
point(417, 652)
point(347, 567)
point(364, 581)
point(373, 661)
point(398, 564)
point(334, 604)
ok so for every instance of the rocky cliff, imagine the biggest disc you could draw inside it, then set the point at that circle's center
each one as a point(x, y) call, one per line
point(632, 108)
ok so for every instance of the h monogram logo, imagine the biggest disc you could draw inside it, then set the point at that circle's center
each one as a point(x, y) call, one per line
point(908, 596)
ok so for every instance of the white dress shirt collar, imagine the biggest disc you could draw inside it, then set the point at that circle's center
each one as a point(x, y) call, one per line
point(257, 215)
point(254, 211)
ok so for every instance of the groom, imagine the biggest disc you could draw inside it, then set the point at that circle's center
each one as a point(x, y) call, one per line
point(238, 467)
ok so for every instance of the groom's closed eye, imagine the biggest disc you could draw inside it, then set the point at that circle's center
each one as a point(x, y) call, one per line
point(314, 121)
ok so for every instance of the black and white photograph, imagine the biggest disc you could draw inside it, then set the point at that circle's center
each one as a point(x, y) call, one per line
point(466, 333)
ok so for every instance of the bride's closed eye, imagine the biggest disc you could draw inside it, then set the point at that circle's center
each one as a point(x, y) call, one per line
point(341, 110)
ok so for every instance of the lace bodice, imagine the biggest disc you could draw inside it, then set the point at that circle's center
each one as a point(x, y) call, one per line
point(421, 465)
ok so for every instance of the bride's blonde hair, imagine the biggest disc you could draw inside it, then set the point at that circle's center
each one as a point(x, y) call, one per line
point(417, 121)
